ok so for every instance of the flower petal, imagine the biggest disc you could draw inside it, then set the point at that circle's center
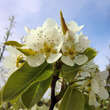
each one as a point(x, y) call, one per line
point(92, 99)
point(104, 75)
point(103, 93)
point(73, 26)
point(54, 57)
point(36, 60)
point(49, 23)
point(81, 59)
point(67, 60)
point(95, 86)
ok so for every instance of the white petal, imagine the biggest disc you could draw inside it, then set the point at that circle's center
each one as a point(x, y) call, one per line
point(85, 74)
point(92, 99)
point(36, 60)
point(95, 86)
point(49, 23)
point(81, 59)
point(73, 26)
point(10, 62)
point(103, 93)
point(54, 57)
point(104, 75)
point(67, 60)
point(13, 51)
point(83, 43)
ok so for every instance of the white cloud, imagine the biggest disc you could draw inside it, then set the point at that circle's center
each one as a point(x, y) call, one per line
point(18, 8)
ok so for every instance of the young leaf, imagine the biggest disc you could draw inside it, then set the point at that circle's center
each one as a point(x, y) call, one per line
point(87, 106)
point(0, 97)
point(1, 94)
point(23, 77)
point(63, 24)
point(13, 43)
point(90, 53)
point(73, 100)
point(68, 73)
point(65, 99)
point(27, 52)
point(35, 92)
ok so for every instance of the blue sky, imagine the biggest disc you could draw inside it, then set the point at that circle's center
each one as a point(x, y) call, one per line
point(94, 14)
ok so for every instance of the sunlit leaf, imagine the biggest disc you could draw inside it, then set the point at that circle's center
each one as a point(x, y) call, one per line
point(87, 106)
point(68, 72)
point(35, 92)
point(27, 52)
point(23, 77)
point(13, 43)
point(90, 53)
point(72, 100)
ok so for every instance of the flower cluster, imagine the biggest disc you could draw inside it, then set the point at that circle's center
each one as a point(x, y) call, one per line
point(49, 43)
point(94, 84)
point(66, 43)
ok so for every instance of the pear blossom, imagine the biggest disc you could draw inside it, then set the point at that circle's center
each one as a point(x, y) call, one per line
point(97, 87)
point(13, 60)
point(83, 44)
point(97, 81)
point(74, 45)
point(73, 26)
point(92, 99)
point(90, 67)
point(46, 41)
point(98, 84)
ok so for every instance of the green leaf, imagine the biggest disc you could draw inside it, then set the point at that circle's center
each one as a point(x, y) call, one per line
point(27, 52)
point(0, 98)
point(63, 24)
point(23, 77)
point(13, 43)
point(90, 53)
point(65, 99)
point(68, 72)
point(35, 92)
point(87, 106)
point(72, 100)
point(1, 94)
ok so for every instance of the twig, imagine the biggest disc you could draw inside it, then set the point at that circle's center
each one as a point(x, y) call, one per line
point(7, 36)
point(56, 98)
point(53, 97)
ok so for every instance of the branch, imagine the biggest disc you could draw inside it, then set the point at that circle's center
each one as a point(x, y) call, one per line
point(62, 91)
point(7, 36)
point(53, 97)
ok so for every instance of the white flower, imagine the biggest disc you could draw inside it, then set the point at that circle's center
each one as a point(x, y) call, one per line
point(98, 84)
point(35, 60)
point(49, 23)
point(46, 41)
point(67, 60)
point(81, 59)
point(73, 46)
point(83, 44)
point(73, 26)
point(34, 39)
point(98, 87)
point(92, 99)
point(52, 45)
point(11, 62)
point(90, 67)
